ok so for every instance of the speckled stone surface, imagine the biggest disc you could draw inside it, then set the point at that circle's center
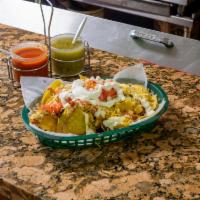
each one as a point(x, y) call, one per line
point(162, 164)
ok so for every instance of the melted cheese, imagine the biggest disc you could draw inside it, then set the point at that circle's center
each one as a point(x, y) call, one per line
point(112, 122)
point(100, 113)
point(146, 105)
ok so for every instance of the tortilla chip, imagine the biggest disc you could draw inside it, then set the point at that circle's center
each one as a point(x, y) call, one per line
point(72, 123)
point(44, 120)
point(47, 96)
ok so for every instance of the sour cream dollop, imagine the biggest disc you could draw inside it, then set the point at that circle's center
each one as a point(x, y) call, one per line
point(92, 95)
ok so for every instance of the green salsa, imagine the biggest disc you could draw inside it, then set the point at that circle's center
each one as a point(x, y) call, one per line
point(67, 59)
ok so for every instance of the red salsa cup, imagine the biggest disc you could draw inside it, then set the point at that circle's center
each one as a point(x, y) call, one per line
point(29, 59)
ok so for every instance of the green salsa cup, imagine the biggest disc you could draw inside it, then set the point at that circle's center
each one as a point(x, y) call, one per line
point(67, 59)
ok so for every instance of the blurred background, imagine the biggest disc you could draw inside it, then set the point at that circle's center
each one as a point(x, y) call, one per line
point(179, 17)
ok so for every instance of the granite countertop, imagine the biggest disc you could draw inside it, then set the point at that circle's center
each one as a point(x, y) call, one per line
point(161, 164)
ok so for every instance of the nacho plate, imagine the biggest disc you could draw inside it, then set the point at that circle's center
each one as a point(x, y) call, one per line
point(60, 140)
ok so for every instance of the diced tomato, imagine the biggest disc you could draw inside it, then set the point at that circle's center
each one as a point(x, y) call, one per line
point(112, 93)
point(58, 107)
point(70, 101)
point(107, 93)
point(103, 96)
point(54, 107)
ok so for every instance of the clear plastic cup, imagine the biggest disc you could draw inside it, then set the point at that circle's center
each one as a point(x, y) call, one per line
point(67, 59)
point(29, 59)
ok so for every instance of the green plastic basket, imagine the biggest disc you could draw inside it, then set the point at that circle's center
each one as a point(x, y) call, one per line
point(97, 139)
